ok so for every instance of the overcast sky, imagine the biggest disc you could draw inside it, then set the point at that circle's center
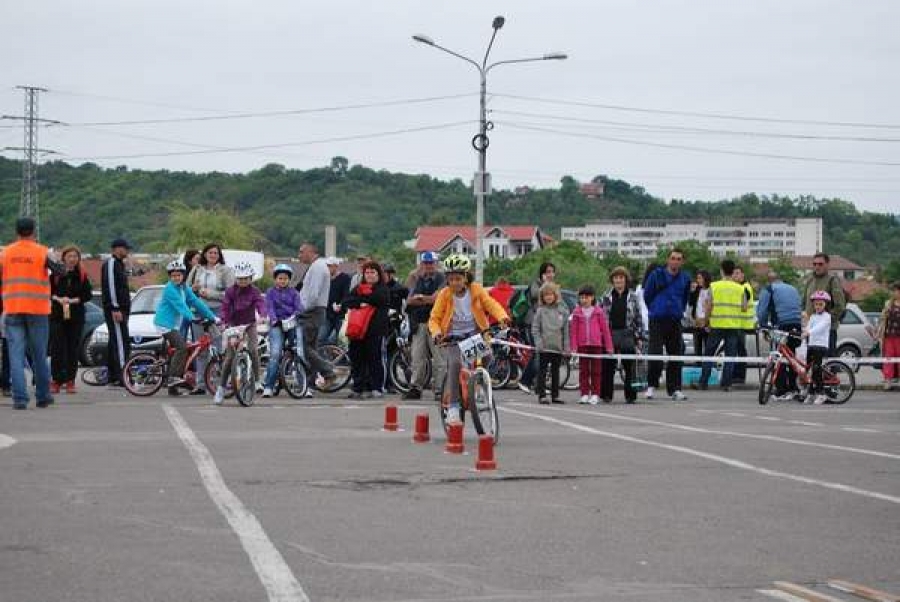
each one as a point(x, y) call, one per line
point(809, 60)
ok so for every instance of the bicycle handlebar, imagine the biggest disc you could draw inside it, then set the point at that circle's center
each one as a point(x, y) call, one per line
point(495, 329)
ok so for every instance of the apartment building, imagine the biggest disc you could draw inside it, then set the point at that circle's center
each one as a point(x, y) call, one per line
point(754, 238)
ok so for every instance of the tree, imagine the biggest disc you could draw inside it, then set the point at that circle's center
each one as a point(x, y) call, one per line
point(195, 227)
point(697, 256)
point(575, 267)
point(875, 301)
point(785, 269)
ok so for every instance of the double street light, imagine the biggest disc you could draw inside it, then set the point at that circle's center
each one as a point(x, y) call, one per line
point(481, 184)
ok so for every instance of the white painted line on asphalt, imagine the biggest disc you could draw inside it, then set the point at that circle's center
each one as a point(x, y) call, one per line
point(780, 595)
point(697, 429)
point(810, 595)
point(875, 495)
point(735, 414)
point(804, 423)
point(273, 571)
point(858, 429)
point(770, 418)
point(6, 441)
point(862, 591)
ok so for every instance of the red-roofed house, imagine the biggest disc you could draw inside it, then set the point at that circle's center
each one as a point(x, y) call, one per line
point(838, 266)
point(499, 241)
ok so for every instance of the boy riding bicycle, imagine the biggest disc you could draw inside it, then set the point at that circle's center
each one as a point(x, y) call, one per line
point(461, 309)
point(174, 310)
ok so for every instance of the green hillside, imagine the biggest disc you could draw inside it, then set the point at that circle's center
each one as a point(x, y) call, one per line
point(373, 209)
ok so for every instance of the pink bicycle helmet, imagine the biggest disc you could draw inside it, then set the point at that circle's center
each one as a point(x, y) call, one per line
point(820, 296)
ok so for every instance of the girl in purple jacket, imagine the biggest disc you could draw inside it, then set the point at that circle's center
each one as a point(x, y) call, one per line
point(589, 333)
point(282, 303)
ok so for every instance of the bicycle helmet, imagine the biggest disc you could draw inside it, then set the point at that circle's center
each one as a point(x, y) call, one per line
point(820, 296)
point(175, 266)
point(283, 268)
point(457, 264)
point(243, 269)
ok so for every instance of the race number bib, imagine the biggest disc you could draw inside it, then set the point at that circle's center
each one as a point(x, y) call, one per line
point(473, 348)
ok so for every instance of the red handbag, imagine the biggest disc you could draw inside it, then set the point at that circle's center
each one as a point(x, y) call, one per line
point(358, 320)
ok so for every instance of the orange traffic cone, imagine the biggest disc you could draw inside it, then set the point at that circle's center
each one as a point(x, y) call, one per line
point(454, 439)
point(390, 418)
point(486, 454)
point(421, 434)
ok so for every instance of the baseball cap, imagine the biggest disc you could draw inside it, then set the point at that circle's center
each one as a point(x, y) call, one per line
point(389, 267)
point(429, 257)
point(119, 242)
point(333, 261)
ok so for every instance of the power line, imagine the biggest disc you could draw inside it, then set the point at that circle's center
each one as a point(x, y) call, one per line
point(249, 115)
point(611, 107)
point(643, 127)
point(699, 148)
point(284, 144)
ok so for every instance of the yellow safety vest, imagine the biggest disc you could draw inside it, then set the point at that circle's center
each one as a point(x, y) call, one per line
point(748, 317)
point(727, 297)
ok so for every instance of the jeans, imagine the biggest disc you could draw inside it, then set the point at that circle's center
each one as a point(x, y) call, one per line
point(4, 371)
point(732, 338)
point(28, 333)
point(328, 331)
point(277, 341)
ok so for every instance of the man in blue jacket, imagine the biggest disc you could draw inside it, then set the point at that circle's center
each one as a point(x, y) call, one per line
point(666, 292)
point(780, 306)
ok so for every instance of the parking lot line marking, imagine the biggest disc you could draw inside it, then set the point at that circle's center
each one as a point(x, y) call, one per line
point(697, 429)
point(858, 429)
point(804, 592)
point(780, 595)
point(771, 418)
point(273, 571)
point(875, 495)
point(735, 414)
point(862, 591)
point(6, 441)
point(804, 423)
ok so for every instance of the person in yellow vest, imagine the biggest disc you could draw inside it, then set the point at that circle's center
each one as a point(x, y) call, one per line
point(748, 323)
point(726, 306)
point(26, 267)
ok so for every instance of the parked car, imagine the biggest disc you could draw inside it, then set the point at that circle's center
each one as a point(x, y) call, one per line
point(140, 325)
point(93, 318)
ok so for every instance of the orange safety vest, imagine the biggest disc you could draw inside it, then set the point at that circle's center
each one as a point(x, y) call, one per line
point(26, 281)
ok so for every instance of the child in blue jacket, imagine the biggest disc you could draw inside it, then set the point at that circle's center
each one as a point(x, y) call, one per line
point(175, 309)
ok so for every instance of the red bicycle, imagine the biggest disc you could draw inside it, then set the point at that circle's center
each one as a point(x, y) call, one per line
point(838, 380)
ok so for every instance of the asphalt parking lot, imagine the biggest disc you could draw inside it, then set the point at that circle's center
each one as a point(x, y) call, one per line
point(107, 497)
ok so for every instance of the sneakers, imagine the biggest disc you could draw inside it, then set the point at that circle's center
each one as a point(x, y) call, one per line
point(584, 399)
point(784, 397)
point(70, 387)
point(220, 396)
point(886, 385)
point(267, 391)
point(524, 388)
point(543, 400)
point(649, 393)
point(413, 393)
point(820, 399)
point(453, 415)
point(594, 400)
point(376, 394)
point(308, 394)
point(679, 396)
point(560, 401)
point(198, 391)
point(54, 387)
point(174, 381)
point(259, 387)
point(45, 403)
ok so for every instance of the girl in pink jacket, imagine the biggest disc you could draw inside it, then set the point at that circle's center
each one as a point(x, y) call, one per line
point(589, 333)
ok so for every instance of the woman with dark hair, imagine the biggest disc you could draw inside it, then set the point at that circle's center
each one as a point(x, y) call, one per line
point(69, 292)
point(367, 365)
point(697, 308)
point(546, 274)
point(209, 280)
point(191, 259)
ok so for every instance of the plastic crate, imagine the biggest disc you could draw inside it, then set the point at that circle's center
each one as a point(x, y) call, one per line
point(690, 375)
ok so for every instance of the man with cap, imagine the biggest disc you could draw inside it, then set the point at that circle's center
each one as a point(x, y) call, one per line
point(116, 309)
point(334, 313)
point(424, 284)
point(26, 301)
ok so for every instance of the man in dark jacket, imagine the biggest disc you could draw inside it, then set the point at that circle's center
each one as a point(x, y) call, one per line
point(666, 292)
point(116, 309)
point(337, 291)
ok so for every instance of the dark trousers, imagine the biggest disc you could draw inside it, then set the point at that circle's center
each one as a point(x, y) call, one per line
point(311, 322)
point(665, 334)
point(731, 337)
point(787, 378)
point(531, 368)
point(548, 361)
point(608, 375)
point(814, 358)
point(740, 370)
point(701, 335)
point(65, 349)
point(832, 343)
point(119, 346)
point(367, 367)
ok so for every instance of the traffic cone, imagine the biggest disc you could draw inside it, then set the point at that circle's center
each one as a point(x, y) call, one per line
point(454, 439)
point(421, 434)
point(390, 418)
point(486, 454)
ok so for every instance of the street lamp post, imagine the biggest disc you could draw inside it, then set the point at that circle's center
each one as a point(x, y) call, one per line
point(481, 183)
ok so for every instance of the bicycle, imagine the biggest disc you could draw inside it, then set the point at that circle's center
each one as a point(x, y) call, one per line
point(145, 373)
point(838, 379)
point(98, 376)
point(476, 391)
point(243, 378)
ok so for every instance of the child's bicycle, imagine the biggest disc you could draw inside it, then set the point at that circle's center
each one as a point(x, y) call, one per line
point(476, 391)
point(838, 380)
point(145, 373)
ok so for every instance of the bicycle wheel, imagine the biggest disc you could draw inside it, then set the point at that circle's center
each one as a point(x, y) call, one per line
point(213, 376)
point(767, 383)
point(400, 371)
point(839, 381)
point(482, 407)
point(340, 360)
point(97, 376)
point(573, 378)
point(500, 369)
point(243, 379)
point(144, 374)
point(292, 376)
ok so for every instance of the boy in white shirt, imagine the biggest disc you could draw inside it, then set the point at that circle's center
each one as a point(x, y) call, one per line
point(817, 331)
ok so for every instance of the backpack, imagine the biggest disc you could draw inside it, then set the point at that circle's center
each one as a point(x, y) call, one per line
point(519, 304)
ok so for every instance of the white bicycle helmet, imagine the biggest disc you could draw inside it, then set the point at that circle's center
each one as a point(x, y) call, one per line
point(175, 266)
point(283, 268)
point(457, 264)
point(243, 269)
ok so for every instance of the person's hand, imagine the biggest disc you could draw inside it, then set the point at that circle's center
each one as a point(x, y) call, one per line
point(196, 287)
point(117, 316)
